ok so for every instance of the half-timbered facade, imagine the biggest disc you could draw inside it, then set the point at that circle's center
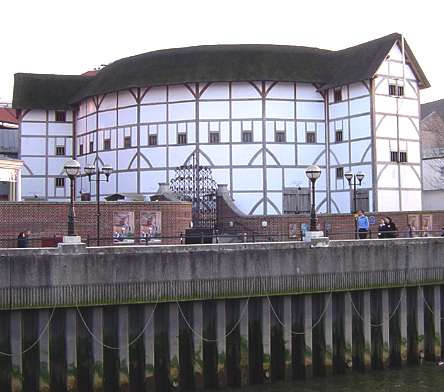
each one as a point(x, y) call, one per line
point(258, 115)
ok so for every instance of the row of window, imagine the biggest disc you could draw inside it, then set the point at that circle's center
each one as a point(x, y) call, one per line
point(396, 89)
point(398, 156)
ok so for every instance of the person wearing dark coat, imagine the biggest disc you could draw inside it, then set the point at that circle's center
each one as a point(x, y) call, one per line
point(391, 229)
point(382, 229)
point(22, 240)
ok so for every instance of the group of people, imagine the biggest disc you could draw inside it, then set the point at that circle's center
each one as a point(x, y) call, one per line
point(386, 229)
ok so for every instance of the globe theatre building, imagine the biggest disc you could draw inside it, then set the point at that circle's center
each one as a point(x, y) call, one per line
point(258, 115)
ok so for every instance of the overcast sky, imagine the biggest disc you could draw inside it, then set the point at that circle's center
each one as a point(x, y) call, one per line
point(71, 37)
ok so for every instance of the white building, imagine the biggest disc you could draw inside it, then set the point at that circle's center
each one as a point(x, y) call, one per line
point(432, 132)
point(257, 114)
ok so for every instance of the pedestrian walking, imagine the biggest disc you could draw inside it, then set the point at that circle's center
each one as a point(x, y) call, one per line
point(362, 224)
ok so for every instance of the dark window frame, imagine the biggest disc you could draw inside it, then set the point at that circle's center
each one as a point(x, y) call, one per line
point(310, 137)
point(403, 158)
point(60, 116)
point(339, 172)
point(107, 144)
point(152, 140)
point(81, 149)
point(60, 182)
point(127, 142)
point(339, 136)
point(337, 95)
point(214, 137)
point(91, 146)
point(60, 151)
point(394, 157)
point(182, 138)
point(280, 136)
point(247, 136)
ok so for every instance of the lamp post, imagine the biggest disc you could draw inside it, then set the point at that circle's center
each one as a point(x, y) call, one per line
point(72, 170)
point(313, 173)
point(353, 181)
point(91, 170)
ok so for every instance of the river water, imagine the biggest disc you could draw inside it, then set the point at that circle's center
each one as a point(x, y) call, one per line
point(427, 377)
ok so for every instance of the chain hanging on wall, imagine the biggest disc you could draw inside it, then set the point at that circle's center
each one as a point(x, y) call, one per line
point(195, 183)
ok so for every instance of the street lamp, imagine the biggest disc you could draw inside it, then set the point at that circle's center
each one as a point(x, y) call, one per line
point(72, 170)
point(90, 170)
point(313, 173)
point(353, 181)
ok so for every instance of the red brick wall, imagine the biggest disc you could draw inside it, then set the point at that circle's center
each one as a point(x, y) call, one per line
point(49, 219)
point(342, 225)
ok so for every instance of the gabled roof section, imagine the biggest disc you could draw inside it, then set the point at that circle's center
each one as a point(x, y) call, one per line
point(42, 91)
point(213, 63)
point(433, 107)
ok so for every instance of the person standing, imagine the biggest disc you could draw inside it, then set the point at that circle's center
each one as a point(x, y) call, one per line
point(382, 228)
point(362, 225)
point(391, 229)
point(22, 240)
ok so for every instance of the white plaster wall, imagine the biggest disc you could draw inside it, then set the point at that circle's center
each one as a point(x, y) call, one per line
point(388, 200)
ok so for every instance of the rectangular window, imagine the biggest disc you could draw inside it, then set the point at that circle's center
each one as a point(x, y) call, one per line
point(392, 89)
point(400, 91)
point(296, 200)
point(338, 95)
point(247, 136)
point(214, 137)
point(81, 149)
point(60, 150)
point(152, 140)
point(181, 138)
point(393, 156)
point(60, 182)
point(279, 137)
point(60, 116)
point(339, 173)
point(338, 136)
point(127, 142)
point(107, 144)
point(362, 200)
point(310, 137)
point(403, 156)
point(91, 146)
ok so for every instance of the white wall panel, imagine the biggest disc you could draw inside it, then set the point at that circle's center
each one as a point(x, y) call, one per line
point(411, 200)
point(127, 182)
point(236, 131)
point(243, 90)
point(182, 111)
point(221, 176)
point(358, 149)
point(246, 201)
point(109, 158)
point(107, 187)
point(274, 179)
point(60, 129)
point(35, 115)
point(308, 153)
point(153, 113)
point(33, 186)
point(155, 155)
point(128, 116)
point(387, 125)
point(340, 152)
point(149, 180)
point(179, 93)
point(109, 102)
point(33, 146)
point(389, 176)
point(279, 109)
point(219, 154)
point(247, 179)
point(359, 106)
point(154, 95)
point(33, 128)
point(307, 91)
point(225, 132)
point(358, 90)
point(408, 107)
point(341, 202)
point(125, 157)
point(310, 110)
point(209, 110)
point(276, 199)
point(55, 166)
point(80, 126)
point(246, 109)
point(295, 177)
point(338, 110)
point(360, 127)
point(409, 178)
point(385, 104)
point(179, 154)
point(413, 152)
point(284, 153)
point(126, 98)
point(243, 153)
point(36, 165)
point(109, 119)
point(282, 90)
point(388, 200)
point(216, 91)
point(91, 122)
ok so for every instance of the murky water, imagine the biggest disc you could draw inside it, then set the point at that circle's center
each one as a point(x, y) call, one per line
point(427, 377)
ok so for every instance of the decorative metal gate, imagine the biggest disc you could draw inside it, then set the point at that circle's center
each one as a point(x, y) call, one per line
point(195, 183)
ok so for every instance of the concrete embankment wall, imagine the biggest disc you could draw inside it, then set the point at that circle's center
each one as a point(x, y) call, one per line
point(199, 316)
